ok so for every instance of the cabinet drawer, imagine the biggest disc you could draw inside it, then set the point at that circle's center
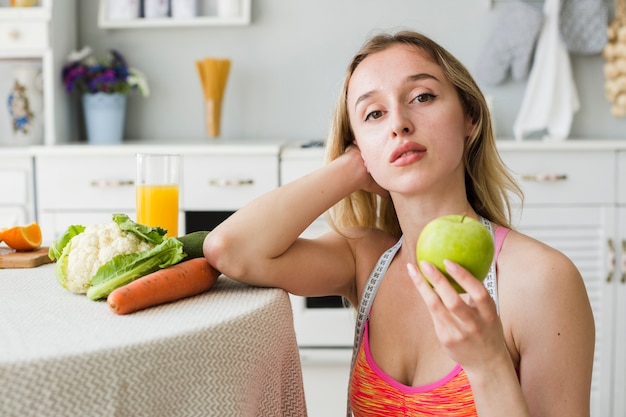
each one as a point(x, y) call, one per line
point(293, 169)
point(13, 216)
point(23, 35)
point(564, 177)
point(217, 182)
point(14, 186)
point(86, 182)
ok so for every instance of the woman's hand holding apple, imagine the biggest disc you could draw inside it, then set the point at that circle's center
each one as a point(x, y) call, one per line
point(467, 325)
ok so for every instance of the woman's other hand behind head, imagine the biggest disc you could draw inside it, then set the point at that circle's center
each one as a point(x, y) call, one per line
point(353, 152)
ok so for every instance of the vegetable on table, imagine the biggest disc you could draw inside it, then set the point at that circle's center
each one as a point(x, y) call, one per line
point(97, 259)
point(185, 279)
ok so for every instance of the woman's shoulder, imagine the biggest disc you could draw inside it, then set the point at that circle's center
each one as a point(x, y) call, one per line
point(527, 265)
point(519, 246)
point(367, 245)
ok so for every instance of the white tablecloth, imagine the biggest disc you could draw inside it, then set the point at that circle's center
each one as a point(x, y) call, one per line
point(229, 352)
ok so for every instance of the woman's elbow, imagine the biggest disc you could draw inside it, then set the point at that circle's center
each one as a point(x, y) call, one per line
point(221, 252)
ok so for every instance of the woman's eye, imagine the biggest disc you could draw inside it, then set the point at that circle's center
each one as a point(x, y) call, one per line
point(423, 98)
point(374, 115)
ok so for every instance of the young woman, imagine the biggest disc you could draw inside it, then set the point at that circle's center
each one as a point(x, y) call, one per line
point(412, 141)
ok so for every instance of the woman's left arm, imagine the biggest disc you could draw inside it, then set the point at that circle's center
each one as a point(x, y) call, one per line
point(548, 326)
point(553, 328)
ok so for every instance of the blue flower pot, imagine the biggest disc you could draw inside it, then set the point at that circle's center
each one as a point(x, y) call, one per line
point(105, 115)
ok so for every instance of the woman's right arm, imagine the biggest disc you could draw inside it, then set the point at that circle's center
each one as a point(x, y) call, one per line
point(260, 245)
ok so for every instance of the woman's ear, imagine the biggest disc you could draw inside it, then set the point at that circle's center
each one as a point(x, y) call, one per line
point(470, 127)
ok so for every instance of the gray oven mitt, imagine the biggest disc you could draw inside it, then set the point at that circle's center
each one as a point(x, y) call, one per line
point(583, 25)
point(511, 44)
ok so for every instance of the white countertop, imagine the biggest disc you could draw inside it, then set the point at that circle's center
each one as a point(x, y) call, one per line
point(276, 147)
point(215, 147)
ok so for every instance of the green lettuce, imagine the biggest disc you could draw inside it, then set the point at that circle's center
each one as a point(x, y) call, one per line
point(149, 234)
point(123, 269)
point(56, 249)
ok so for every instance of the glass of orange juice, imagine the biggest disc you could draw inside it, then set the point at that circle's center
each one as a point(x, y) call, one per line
point(157, 191)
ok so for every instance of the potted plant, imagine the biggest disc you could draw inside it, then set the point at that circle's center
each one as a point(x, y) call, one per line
point(104, 85)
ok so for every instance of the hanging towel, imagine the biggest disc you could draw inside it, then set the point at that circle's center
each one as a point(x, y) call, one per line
point(550, 99)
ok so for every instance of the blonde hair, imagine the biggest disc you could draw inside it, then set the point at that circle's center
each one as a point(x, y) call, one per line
point(487, 180)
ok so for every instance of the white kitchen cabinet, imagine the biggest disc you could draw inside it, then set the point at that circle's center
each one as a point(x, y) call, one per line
point(226, 182)
point(87, 184)
point(325, 376)
point(17, 198)
point(82, 189)
point(570, 204)
point(324, 335)
point(619, 281)
point(42, 36)
point(207, 16)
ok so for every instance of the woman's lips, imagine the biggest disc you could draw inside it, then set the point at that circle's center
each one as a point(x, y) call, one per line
point(407, 153)
point(408, 158)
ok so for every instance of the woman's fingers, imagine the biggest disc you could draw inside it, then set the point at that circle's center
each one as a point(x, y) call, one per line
point(437, 293)
point(478, 295)
point(442, 299)
point(467, 325)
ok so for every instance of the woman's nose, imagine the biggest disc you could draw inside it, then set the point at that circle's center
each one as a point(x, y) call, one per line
point(401, 124)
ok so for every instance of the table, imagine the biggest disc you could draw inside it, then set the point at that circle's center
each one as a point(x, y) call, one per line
point(228, 352)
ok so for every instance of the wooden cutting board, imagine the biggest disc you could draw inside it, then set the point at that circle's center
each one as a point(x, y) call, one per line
point(13, 259)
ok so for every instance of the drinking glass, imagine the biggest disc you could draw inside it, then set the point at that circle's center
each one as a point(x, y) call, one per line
point(157, 191)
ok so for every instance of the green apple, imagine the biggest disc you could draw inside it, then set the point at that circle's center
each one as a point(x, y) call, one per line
point(459, 239)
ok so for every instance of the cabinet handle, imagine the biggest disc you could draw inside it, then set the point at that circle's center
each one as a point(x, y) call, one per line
point(611, 260)
point(14, 35)
point(111, 183)
point(229, 182)
point(623, 261)
point(544, 177)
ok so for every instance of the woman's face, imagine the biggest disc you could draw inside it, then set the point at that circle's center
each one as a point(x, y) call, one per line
point(407, 120)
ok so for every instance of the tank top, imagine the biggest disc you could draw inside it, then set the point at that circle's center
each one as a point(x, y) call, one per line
point(372, 392)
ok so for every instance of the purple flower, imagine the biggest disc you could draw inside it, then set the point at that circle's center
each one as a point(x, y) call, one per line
point(89, 75)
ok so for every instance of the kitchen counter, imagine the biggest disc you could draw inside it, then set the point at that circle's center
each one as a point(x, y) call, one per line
point(229, 352)
point(185, 148)
point(275, 147)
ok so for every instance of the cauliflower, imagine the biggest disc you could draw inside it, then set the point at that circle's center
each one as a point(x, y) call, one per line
point(97, 259)
point(97, 245)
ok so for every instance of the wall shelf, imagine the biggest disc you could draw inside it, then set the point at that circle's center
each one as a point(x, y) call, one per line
point(26, 13)
point(169, 22)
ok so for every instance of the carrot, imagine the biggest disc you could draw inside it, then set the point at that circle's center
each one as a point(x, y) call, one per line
point(185, 279)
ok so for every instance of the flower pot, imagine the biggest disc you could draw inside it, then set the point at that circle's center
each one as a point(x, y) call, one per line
point(105, 115)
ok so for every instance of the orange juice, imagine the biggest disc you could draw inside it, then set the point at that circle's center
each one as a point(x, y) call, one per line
point(157, 205)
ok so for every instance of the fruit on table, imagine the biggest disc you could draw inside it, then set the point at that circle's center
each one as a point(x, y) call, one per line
point(22, 238)
point(460, 239)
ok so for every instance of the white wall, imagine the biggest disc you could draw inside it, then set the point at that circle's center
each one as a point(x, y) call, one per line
point(289, 63)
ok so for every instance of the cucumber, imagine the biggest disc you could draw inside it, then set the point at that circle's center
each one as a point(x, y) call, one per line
point(192, 244)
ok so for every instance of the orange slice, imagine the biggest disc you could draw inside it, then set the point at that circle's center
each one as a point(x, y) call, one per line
point(22, 238)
